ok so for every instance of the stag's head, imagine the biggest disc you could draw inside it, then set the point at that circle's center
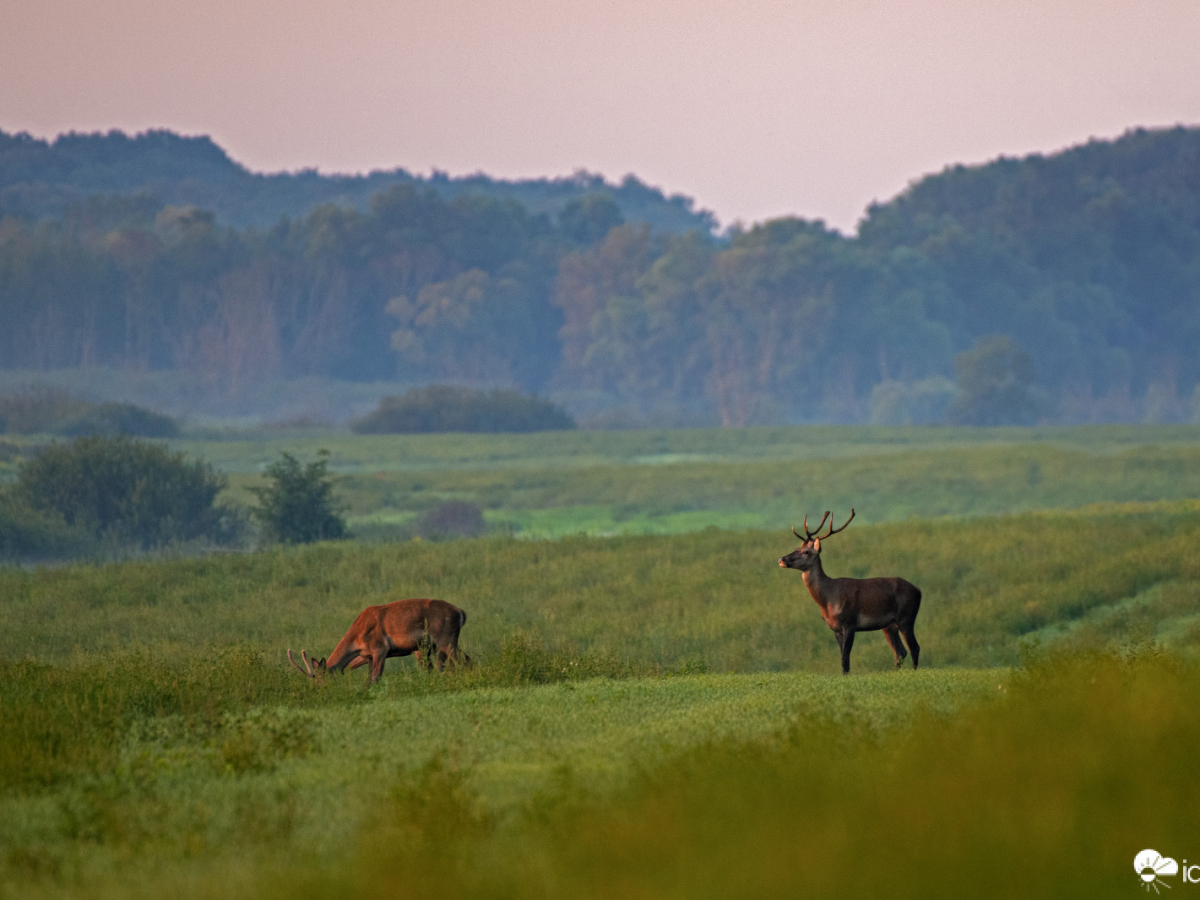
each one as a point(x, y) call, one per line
point(806, 555)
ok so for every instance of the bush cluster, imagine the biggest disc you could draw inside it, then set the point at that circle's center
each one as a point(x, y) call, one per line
point(51, 411)
point(448, 408)
point(29, 534)
point(125, 491)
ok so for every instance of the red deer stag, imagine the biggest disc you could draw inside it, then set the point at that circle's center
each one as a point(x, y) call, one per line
point(393, 629)
point(850, 605)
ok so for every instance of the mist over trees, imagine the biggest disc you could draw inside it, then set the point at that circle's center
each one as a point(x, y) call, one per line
point(1067, 286)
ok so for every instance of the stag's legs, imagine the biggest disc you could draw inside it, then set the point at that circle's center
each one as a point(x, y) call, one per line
point(892, 633)
point(846, 640)
point(911, 640)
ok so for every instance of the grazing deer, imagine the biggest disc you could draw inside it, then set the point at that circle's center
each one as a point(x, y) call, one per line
point(393, 629)
point(850, 605)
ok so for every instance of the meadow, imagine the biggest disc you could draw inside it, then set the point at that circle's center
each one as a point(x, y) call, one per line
point(668, 482)
point(649, 714)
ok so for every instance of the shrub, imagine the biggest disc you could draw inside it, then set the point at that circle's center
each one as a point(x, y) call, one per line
point(121, 418)
point(120, 488)
point(298, 506)
point(444, 408)
point(27, 534)
point(39, 410)
point(52, 411)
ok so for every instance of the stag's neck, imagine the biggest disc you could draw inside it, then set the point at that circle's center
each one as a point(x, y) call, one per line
point(818, 584)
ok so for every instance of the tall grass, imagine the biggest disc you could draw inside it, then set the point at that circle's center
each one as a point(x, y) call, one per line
point(1049, 791)
point(1048, 788)
point(61, 722)
point(155, 741)
point(713, 598)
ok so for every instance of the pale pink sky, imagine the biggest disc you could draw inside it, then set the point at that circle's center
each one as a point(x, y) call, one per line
point(754, 107)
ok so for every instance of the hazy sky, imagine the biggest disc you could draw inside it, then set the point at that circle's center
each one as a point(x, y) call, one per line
point(754, 107)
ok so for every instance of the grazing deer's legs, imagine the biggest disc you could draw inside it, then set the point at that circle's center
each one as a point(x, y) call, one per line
point(911, 640)
point(892, 633)
point(377, 661)
point(448, 651)
point(847, 642)
point(361, 661)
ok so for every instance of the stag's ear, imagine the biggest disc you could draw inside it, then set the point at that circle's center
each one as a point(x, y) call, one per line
point(817, 545)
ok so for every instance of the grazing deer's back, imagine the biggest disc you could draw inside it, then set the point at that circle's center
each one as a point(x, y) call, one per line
point(415, 616)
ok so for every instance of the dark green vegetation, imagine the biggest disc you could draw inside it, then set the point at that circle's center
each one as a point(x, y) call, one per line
point(47, 179)
point(1084, 259)
point(447, 408)
point(996, 386)
point(48, 411)
point(27, 534)
point(117, 491)
point(297, 506)
point(156, 741)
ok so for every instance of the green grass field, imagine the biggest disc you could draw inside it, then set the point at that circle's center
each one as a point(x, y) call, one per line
point(650, 714)
point(669, 482)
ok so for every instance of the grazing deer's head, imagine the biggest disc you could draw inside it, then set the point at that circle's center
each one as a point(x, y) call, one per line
point(313, 668)
point(808, 553)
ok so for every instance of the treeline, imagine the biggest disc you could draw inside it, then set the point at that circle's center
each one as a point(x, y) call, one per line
point(44, 179)
point(1088, 261)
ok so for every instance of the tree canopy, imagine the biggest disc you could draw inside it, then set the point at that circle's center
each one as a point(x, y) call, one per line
point(1087, 262)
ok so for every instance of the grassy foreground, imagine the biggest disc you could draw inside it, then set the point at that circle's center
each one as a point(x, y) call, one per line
point(939, 784)
point(653, 716)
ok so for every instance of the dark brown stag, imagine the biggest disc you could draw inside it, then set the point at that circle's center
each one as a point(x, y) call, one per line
point(850, 605)
point(398, 628)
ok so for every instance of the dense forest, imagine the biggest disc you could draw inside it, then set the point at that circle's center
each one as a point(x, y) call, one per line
point(1062, 287)
point(46, 178)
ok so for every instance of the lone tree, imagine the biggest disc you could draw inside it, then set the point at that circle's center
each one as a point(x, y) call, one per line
point(298, 506)
point(995, 385)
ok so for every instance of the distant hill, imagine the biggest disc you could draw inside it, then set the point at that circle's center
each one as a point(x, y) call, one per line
point(41, 179)
point(1089, 258)
point(1060, 287)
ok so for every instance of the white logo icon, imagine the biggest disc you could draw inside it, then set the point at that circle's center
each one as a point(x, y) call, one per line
point(1150, 864)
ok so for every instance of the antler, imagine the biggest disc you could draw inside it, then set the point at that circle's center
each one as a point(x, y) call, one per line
point(809, 534)
point(307, 670)
point(833, 531)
